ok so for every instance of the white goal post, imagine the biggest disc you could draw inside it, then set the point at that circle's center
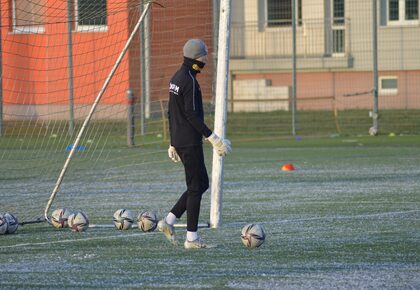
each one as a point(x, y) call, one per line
point(220, 115)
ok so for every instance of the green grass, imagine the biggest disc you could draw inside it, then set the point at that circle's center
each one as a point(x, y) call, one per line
point(320, 123)
point(347, 217)
point(240, 127)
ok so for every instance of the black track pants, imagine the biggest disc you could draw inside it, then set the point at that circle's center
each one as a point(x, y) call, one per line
point(197, 183)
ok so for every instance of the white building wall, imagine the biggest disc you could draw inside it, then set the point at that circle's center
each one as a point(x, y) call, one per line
point(261, 41)
point(399, 46)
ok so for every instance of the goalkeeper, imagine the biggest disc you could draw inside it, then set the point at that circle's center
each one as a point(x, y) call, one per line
point(187, 128)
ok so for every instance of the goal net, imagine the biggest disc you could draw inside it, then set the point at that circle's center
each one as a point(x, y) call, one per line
point(58, 61)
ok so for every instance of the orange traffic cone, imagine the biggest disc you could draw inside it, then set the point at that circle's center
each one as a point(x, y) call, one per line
point(288, 167)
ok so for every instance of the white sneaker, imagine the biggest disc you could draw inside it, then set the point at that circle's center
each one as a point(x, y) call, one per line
point(168, 230)
point(196, 244)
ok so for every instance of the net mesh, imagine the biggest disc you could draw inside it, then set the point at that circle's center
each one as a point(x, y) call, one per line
point(334, 86)
point(49, 84)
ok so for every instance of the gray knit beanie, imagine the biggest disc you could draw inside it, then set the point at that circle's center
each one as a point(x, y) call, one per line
point(195, 48)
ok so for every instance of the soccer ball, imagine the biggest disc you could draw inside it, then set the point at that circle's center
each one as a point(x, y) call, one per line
point(12, 223)
point(252, 235)
point(59, 217)
point(147, 221)
point(78, 222)
point(3, 225)
point(123, 219)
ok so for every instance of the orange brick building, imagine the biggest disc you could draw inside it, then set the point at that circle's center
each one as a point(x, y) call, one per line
point(35, 55)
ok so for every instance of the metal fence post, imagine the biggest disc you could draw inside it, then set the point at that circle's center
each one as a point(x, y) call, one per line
point(1, 79)
point(70, 68)
point(130, 118)
point(143, 98)
point(215, 39)
point(375, 114)
point(294, 68)
point(164, 127)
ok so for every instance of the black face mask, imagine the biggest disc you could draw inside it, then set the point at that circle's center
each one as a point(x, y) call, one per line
point(194, 64)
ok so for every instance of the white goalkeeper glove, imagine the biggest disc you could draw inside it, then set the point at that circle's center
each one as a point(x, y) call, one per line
point(222, 146)
point(173, 154)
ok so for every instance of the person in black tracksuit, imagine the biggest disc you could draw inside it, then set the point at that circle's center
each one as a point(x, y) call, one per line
point(187, 128)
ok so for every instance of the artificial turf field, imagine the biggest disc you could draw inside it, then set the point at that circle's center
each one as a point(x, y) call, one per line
point(347, 217)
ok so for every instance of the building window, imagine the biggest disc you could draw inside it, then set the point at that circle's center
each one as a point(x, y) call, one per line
point(27, 16)
point(403, 12)
point(338, 12)
point(388, 85)
point(279, 12)
point(338, 27)
point(411, 10)
point(91, 15)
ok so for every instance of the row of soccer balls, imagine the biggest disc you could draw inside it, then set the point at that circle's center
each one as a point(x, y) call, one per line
point(8, 223)
point(123, 220)
point(252, 235)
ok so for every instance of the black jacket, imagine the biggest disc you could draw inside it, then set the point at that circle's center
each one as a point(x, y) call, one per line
point(185, 112)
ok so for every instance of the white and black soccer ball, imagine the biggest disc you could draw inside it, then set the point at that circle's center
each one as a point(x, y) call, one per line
point(3, 224)
point(147, 221)
point(252, 235)
point(59, 218)
point(78, 222)
point(12, 223)
point(123, 219)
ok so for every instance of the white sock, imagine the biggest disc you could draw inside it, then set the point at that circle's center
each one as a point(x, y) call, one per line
point(170, 219)
point(192, 236)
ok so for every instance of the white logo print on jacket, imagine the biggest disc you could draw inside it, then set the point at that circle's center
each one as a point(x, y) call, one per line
point(173, 88)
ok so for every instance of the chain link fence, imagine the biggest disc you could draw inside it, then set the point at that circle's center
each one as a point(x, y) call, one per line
point(335, 72)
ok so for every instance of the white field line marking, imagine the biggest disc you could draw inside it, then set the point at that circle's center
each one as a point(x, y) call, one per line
point(71, 241)
point(200, 225)
point(180, 225)
point(380, 214)
point(352, 202)
point(337, 217)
